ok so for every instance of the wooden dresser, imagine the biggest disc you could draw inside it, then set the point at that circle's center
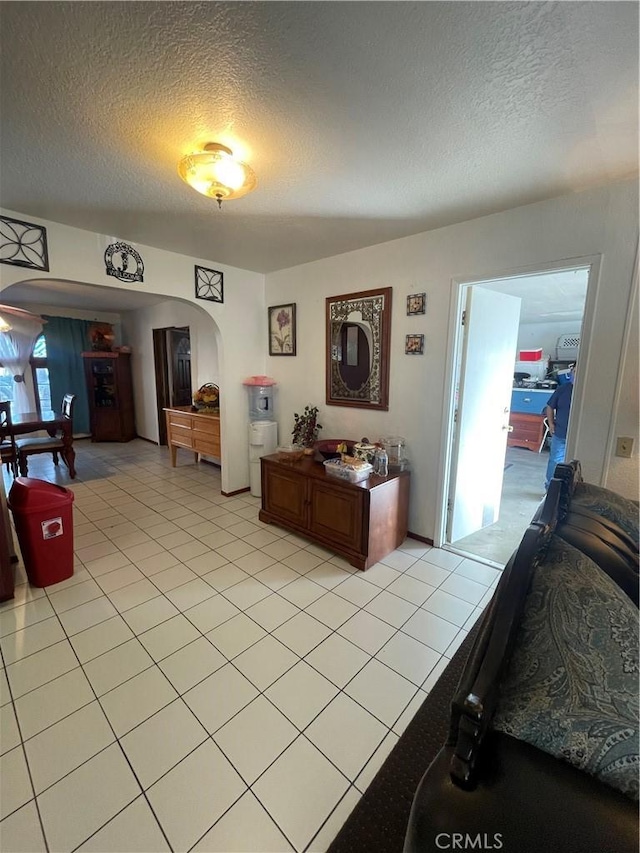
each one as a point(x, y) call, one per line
point(361, 521)
point(527, 430)
point(195, 431)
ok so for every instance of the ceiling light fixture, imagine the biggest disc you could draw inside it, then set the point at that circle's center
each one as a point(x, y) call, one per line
point(215, 173)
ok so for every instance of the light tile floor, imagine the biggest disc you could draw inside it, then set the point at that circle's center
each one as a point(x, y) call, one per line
point(204, 681)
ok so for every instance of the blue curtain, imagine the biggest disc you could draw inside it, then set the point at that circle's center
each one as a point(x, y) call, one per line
point(66, 340)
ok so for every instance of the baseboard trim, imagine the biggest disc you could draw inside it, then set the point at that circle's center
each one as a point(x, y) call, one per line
point(424, 539)
point(150, 440)
point(236, 492)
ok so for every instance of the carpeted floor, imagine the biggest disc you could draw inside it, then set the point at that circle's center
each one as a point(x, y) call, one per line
point(379, 821)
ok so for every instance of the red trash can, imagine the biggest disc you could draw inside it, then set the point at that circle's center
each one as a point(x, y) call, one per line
point(43, 517)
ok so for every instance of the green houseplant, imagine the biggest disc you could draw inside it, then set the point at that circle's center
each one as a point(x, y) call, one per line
point(306, 426)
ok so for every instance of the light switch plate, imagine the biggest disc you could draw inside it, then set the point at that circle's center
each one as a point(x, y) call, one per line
point(624, 446)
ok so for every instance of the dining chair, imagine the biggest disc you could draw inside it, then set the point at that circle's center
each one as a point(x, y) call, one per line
point(46, 444)
point(8, 449)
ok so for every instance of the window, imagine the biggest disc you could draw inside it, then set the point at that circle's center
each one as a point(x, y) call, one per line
point(40, 371)
point(6, 384)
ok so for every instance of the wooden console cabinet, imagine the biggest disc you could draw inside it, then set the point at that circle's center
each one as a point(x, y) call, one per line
point(195, 431)
point(527, 431)
point(110, 394)
point(361, 521)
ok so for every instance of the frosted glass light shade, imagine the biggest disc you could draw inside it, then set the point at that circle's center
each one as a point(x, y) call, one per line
point(215, 173)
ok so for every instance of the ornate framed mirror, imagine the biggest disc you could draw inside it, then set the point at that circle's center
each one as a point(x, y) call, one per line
point(358, 337)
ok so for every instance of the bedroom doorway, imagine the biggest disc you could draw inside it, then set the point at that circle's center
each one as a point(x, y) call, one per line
point(485, 514)
point(172, 359)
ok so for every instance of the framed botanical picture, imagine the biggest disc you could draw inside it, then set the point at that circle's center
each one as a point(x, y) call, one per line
point(416, 303)
point(209, 284)
point(282, 329)
point(414, 345)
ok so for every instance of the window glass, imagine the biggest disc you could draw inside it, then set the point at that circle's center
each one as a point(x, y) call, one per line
point(43, 388)
point(40, 372)
point(6, 384)
point(40, 347)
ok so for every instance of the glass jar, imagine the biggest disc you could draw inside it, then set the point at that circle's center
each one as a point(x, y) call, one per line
point(395, 446)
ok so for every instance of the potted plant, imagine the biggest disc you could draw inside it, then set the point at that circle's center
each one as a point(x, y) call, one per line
point(305, 427)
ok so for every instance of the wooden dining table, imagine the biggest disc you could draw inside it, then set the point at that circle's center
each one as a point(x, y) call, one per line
point(52, 422)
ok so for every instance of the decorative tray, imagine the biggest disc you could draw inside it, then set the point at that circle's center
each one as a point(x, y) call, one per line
point(344, 471)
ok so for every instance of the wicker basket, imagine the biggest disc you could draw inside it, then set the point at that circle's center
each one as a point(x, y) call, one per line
point(207, 398)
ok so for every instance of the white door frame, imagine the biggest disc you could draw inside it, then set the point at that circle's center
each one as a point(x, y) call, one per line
point(454, 340)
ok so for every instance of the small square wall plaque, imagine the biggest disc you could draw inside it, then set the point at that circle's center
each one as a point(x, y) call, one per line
point(416, 303)
point(209, 284)
point(414, 345)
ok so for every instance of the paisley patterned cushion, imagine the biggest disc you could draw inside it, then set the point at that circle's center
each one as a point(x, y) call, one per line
point(571, 687)
point(608, 504)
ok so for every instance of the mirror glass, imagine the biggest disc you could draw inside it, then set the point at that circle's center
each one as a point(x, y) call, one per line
point(358, 334)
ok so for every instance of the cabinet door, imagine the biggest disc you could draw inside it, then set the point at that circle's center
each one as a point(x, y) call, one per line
point(284, 494)
point(337, 514)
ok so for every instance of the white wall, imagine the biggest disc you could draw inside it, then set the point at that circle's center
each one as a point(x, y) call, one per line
point(77, 255)
point(622, 476)
point(599, 222)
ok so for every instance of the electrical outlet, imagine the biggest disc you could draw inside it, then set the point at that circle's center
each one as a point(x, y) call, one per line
point(624, 446)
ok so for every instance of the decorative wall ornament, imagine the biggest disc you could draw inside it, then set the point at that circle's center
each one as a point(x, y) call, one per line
point(23, 244)
point(209, 284)
point(414, 345)
point(118, 260)
point(416, 303)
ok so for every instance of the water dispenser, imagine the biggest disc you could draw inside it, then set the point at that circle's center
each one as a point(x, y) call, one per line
point(263, 428)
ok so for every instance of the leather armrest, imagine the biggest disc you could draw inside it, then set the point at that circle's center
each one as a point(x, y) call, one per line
point(526, 801)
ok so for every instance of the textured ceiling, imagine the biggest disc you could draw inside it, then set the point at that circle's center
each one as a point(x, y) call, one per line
point(364, 121)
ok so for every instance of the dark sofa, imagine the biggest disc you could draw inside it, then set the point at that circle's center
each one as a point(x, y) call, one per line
point(542, 752)
point(509, 766)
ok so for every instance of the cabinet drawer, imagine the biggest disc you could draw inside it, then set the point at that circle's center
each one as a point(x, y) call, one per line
point(208, 431)
point(527, 431)
point(531, 402)
point(175, 419)
point(181, 437)
point(206, 445)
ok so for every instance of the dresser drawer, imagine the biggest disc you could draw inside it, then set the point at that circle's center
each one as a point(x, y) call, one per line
point(527, 430)
point(210, 447)
point(529, 401)
point(209, 430)
point(176, 419)
point(182, 437)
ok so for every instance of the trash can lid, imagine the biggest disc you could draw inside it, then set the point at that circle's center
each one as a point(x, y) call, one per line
point(28, 494)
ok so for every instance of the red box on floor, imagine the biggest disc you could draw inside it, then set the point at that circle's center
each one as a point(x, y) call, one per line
point(530, 355)
point(43, 516)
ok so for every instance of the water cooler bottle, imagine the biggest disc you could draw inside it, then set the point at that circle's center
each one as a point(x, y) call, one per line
point(263, 430)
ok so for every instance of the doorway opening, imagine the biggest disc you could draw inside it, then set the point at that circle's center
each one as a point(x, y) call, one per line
point(172, 360)
point(516, 336)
